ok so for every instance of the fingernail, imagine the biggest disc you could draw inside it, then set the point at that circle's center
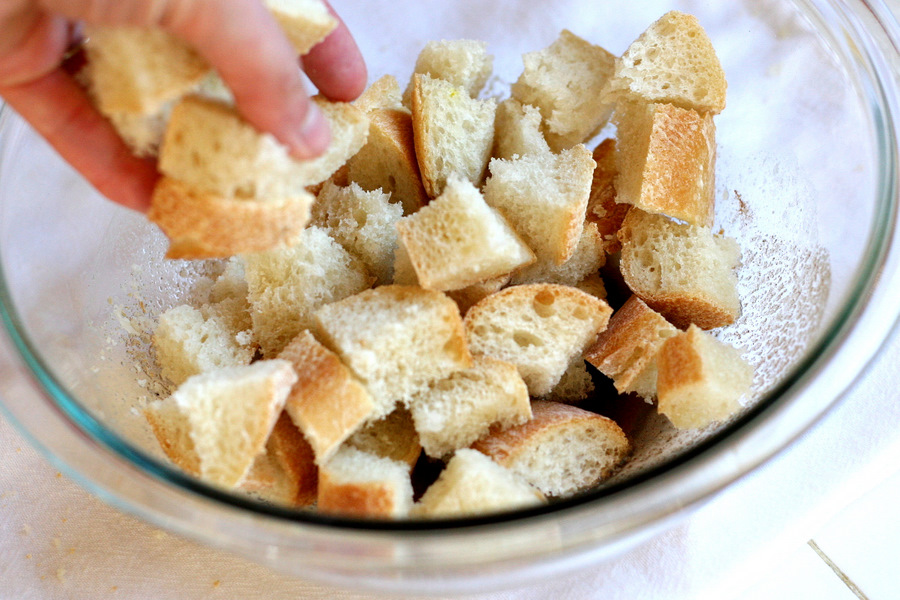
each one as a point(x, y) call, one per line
point(314, 135)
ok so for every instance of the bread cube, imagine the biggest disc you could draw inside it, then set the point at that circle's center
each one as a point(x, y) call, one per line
point(393, 436)
point(517, 130)
point(304, 22)
point(286, 472)
point(603, 209)
point(354, 483)
point(464, 63)
point(586, 260)
point(458, 240)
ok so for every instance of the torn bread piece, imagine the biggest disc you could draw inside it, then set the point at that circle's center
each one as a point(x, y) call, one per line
point(458, 240)
point(211, 148)
point(665, 158)
point(539, 328)
point(304, 22)
point(575, 385)
point(364, 223)
point(472, 485)
point(673, 61)
point(464, 63)
point(544, 197)
point(217, 423)
point(564, 82)
point(354, 483)
point(626, 352)
point(701, 379)
point(684, 272)
point(202, 225)
point(561, 451)
point(396, 339)
point(286, 286)
point(393, 436)
point(388, 160)
point(456, 411)
point(327, 402)
point(453, 133)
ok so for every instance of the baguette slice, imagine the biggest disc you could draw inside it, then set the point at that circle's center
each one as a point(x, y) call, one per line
point(217, 423)
point(453, 132)
point(188, 343)
point(137, 71)
point(327, 403)
point(456, 411)
point(396, 339)
point(388, 160)
point(458, 240)
point(286, 286)
point(358, 484)
point(304, 22)
point(701, 379)
point(540, 328)
point(364, 223)
point(565, 81)
point(473, 485)
point(603, 209)
point(673, 61)
point(210, 147)
point(626, 352)
point(393, 436)
point(464, 63)
point(544, 197)
point(665, 158)
point(684, 272)
point(561, 451)
point(202, 225)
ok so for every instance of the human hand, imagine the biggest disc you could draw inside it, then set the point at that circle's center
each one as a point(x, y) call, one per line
point(267, 85)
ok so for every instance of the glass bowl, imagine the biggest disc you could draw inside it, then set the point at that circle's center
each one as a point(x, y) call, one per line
point(806, 181)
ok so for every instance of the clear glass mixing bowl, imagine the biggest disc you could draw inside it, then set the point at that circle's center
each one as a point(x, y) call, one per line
point(807, 182)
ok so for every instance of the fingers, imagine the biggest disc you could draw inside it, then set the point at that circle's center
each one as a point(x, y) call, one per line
point(60, 111)
point(336, 65)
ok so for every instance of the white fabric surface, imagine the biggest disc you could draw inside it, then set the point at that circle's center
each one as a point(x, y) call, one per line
point(59, 542)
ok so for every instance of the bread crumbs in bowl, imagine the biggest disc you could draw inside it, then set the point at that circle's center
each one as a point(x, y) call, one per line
point(489, 372)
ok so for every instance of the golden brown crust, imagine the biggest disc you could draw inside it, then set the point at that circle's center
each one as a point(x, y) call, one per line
point(371, 499)
point(602, 206)
point(205, 226)
point(292, 453)
point(327, 403)
point(420, 123)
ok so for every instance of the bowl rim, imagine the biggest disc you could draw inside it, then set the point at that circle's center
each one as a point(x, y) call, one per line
point(862, 320)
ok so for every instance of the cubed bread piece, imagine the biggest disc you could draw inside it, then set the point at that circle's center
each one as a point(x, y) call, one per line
point(701, 379)
point(539, 328)
point(383, 93)
point(138, 70)
point(188, 343)
point(588, 257)
point(471, 295)
point(305, 22)
point(286, 286)
point(665, 158)
point(464, 63)
point(286, 472)
point(388, 160)
point(575, 385)
point(602, 207)
point(684, 272)
point(626, 351)
point(364, 223)
point(202, 225)
point(210, 147)
point(358, 484)
point(517, 130)
point(564, 82)
point(673, 61)
point(456, 411)
point(458, 240)
point(396, 339)
point(544, 197)
point(327, 403)
point(393, 436)
point(473, 485)
point(453, 132)
point(561, 451)
point(218, 422)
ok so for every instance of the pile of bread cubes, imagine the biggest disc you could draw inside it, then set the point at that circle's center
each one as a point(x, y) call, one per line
point(429, 290)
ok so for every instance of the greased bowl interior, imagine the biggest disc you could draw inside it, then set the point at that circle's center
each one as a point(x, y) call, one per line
point(806, 181)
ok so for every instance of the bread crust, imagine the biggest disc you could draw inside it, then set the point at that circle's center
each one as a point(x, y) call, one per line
point(602, 207)
point(290, 450)
point(202, 225)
